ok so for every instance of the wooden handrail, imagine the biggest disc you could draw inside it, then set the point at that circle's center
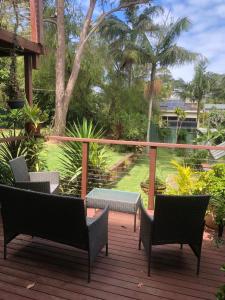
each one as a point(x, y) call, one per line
point(133, 143)
point(152, 157)
point(13, 139)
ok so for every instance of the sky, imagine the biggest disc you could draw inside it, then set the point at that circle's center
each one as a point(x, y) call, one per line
point(207, 33)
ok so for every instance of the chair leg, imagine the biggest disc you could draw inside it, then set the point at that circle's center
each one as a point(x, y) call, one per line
point(135, 220)
point(181, 246)
point(149, 259)
point(89, 268)
point(106, 249)
point(198, 265)
point(5, 250)
point(139, 244)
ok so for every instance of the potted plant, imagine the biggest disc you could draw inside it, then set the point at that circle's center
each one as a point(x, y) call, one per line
point(33, 117)
point(160, 186)
point(12, 91)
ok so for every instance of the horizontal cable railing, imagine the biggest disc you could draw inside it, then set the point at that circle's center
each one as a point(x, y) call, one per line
point(138, 170)
point(12, 139)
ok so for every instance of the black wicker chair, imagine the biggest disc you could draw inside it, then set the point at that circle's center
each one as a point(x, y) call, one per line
point(177, 219)
point(45, 181)
point(58, 218)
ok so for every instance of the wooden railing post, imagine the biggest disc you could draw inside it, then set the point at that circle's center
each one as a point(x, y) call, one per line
point(36, 23)
point(28, 78)
point(84, 180)
point(152, 171)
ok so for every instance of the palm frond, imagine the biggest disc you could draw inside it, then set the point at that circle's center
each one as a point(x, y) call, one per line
point(176, 55)
point(113, 28)
point(173, 31)
point(71, 158)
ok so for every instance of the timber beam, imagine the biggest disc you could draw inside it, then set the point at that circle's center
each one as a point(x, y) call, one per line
point(7, 41)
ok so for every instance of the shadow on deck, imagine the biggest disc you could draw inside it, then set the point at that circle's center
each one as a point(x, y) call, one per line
point(43, 270)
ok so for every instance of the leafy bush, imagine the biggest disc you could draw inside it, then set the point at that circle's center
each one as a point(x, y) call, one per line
point(195, 158)
point(30, 148)
point(184, 183)
point(71, 159)
point(212, 182)
point(34, 147)
point(8, 151)
point(220, 295)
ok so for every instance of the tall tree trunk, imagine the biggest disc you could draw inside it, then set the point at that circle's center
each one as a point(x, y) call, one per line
point(198, 112)
point(63, 95)
point(151, 97)
point(60, 113)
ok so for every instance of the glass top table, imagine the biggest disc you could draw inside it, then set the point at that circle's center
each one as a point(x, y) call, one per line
point(122, 201)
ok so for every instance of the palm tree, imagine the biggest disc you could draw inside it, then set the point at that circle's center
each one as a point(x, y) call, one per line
point(181, 115)
point(200, 85)
point(161, 50)
point(124, 36)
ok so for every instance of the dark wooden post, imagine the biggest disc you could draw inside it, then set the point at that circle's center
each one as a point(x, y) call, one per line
point(28, 78)
point(152, 172)
point(84, 181)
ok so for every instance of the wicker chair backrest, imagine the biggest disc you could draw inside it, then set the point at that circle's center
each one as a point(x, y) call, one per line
point(58, 218)
point(19, 169)
point(179, 218)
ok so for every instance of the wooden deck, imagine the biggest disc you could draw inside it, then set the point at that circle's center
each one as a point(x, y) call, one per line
point(42, 270)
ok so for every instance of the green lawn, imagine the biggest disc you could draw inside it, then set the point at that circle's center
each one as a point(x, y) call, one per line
point(52, 155)
point(130, 180)
point(53, 152)
point(140, 171)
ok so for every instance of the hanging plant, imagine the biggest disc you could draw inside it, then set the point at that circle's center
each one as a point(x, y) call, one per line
point(12, 90)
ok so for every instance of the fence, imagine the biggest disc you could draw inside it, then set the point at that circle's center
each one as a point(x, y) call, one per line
point(150, 155)
point(146, 163)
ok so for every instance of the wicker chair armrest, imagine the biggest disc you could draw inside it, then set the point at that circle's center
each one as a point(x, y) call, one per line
point(146, 228)
point(52, 176)
point(39, 186)
point(98, 233)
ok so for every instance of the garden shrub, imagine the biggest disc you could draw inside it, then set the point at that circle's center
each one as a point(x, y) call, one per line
point(30, 148)
point(71, 159)
point(220, 295)
point(195, 158)
point(212, 182)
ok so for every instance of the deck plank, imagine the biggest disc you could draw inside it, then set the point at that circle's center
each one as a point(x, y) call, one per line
point(60, 272)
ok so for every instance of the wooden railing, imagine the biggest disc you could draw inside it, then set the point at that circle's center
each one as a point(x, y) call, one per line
point(12, 139)
point(152, 154)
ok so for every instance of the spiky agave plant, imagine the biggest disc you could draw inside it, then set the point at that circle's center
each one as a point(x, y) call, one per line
point(71, 158)
point(8, 151)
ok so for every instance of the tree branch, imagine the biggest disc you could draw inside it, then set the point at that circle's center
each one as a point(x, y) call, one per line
point(50, 20)
point(105, 14)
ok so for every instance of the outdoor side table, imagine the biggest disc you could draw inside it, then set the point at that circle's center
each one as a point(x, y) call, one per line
point(122, 201)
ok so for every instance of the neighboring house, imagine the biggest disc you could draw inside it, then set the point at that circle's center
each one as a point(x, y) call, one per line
point(167, 111)
point(211, 106)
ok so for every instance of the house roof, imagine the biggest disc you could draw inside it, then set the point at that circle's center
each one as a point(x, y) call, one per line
point(211, 106)
point(172, 104)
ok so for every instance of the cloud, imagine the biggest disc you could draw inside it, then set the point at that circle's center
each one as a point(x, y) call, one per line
point(206, 35)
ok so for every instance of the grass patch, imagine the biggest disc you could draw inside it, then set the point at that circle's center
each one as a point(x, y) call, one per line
point(140, 171)
point(53, 152)
point(130, 180)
